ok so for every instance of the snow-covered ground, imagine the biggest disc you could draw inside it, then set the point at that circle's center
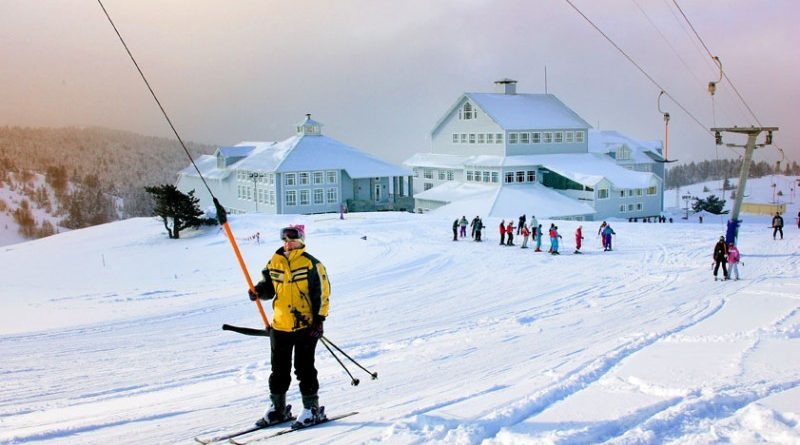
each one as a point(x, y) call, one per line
point(111, 335)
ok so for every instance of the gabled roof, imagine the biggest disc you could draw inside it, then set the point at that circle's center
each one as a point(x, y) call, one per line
point(607, 141)
point(237, 151)
point(521, 111)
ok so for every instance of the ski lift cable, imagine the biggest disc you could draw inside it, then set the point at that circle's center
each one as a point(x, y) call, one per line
point(221, 214)
point(648, 76)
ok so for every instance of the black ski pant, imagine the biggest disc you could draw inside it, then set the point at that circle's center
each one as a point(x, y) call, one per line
point(304, 347)
point(724, 268)
point(777, 230)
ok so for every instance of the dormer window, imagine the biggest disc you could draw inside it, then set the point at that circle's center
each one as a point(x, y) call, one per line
point(468, 112)
point(623, 153)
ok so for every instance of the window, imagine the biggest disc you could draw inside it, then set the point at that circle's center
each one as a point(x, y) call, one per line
point(469, 175)
point(509, 177)
point(495, 177)
point(304, 197)
point(512, 138)
point(481, 138)
point(524, 138)
point(291, 198)
point(485, 176)
point(271, 179)
point(547, 137)
point(568, 137)
point(333, 195)
point(498, 138)
point(463, 138)
point(630, 207)
point(520, 176)
point(318, 178)
point(639, 206)
point(427, 186)
point(291, 179)
point(427, 173)
point(559, 137)
point(651, 191)
point(579, 136)
point(304, 178)
point(622, 208)
point(638, 192)
point(602, 193)
point(331, 176)
point(455, 138)
point(319, 196)
point(467, 112)
point(472, 138)
point(477, 176)
point(272, 197)
point(249, 193)
point(416, 173)
point(623, 153)
point(490, 138)
point(622, 193)
point(531, 175)
point(536, 137)
point(260, 196)
point(450, 175)
point(442, 175)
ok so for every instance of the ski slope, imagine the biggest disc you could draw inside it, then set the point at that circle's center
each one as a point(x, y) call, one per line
point(111, 335)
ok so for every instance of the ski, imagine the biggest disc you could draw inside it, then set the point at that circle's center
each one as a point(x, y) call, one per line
point(242, 432)
point(290, 430)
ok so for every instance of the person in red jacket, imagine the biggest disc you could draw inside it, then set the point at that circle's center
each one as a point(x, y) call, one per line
point(510, 233)
point(502, 232)
point(525, 234)
point(578, 238)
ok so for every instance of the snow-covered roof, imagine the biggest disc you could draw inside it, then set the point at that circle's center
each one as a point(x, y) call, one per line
point(307, 152)
point(503, 201)
point(435, 160)
point(302, 152)
point(528, 111)
point(236, 151)
point(607, 141)
point(591, 168)
point(207, 165)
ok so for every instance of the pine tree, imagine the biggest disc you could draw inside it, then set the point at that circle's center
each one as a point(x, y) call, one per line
point(177, 210)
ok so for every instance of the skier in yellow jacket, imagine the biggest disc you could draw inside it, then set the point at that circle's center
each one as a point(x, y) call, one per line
point(298, 284)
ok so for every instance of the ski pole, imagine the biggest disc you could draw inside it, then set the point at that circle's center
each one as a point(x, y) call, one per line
point(325, 341)
point(353, 381)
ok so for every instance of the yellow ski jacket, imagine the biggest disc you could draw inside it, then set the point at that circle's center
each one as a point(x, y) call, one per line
point(298, 283)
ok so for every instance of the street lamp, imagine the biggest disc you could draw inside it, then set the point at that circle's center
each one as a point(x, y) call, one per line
point(255, 177)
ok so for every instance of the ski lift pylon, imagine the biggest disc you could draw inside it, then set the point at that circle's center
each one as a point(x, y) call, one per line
point(666, 133)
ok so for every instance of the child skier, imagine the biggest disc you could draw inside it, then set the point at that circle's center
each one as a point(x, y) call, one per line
point(733, 260)
point(525, 234)
point(578, 238)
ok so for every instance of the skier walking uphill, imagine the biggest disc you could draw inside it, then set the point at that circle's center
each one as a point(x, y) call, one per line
point(463, 224)
point(777, 225)
point(502, 232)
point(720, 257)
point(607, 232)
point(578, 238)
point(602, 237)
point(525, 234)
point(478, 228)
point(510, 233)
point(733, 260)
point(298, 284)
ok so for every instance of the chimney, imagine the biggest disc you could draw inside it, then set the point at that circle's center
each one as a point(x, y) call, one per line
point(506, 86)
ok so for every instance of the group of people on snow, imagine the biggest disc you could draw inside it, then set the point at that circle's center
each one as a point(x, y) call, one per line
point(533, 232)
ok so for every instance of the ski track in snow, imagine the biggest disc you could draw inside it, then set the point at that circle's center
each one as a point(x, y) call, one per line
point(421, 310)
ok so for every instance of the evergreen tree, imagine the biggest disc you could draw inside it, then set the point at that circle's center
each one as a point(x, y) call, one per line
point(177, 210)
point(712, 204)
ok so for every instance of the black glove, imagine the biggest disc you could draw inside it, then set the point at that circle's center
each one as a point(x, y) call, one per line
point(316, 329)
point(252, 294)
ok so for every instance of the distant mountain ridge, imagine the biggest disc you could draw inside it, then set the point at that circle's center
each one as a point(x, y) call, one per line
point(85, 175)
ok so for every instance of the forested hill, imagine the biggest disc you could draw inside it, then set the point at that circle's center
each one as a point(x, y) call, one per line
point(695, 172)
point(122, 162)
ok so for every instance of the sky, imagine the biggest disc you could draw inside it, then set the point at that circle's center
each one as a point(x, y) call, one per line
point(379, 74)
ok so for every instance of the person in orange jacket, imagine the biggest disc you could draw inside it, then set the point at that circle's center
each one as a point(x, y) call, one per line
point(578, 238)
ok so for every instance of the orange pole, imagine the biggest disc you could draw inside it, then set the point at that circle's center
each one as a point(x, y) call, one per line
point(244, 271)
